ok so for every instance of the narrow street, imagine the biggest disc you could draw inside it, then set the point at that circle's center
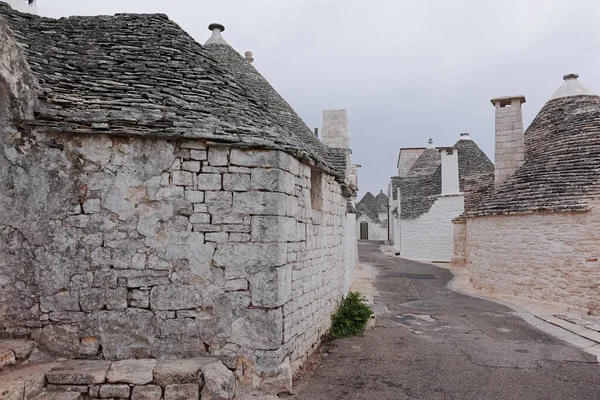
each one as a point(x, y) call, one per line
point(445, 345)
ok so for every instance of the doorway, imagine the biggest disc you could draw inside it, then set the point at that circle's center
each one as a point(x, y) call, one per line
point(364, 231)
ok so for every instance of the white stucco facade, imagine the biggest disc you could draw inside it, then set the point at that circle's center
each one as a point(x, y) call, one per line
point(430, 236)
point(351, 251)
point(377, 231)
point(23, 5)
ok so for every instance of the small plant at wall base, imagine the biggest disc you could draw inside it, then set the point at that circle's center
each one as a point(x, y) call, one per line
point(351, 316)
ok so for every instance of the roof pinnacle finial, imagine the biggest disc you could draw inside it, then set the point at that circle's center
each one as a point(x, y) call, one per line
point(215, 25)
point(571, 87)
point(216, 37)
point(430, 144)
point(570, 76)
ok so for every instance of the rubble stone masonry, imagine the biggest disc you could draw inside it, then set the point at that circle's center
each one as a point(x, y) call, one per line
point(149, 248)
point(552, 257)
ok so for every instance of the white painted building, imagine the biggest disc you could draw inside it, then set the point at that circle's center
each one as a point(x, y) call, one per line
point(428, 194)
point(26, 6)
point(372, 217)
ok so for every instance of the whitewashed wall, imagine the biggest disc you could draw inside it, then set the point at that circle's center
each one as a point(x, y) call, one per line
point(395, 229)
point(376, 231)
point(430, 236)
point(351, 251)
point(551, 257)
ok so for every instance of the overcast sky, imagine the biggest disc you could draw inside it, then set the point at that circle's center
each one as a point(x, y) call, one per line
point(405, 70)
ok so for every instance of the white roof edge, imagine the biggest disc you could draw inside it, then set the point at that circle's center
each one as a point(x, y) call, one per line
point(571, 87)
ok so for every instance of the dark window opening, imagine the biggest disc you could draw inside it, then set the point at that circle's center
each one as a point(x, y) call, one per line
point(316, 189)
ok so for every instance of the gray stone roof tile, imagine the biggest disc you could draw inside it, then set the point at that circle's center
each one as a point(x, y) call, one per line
point(141, 74)
point(562, 161)
point(368, 205)
point(471, 161)
point(423, 185)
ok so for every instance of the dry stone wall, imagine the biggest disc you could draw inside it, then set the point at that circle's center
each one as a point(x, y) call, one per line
point(550, 257)
point(460, 242)
point(146, 248)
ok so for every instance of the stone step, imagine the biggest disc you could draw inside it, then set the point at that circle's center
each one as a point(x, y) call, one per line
point(145, 378)
point(24, 381)
point(148, 379)
point(57, 396)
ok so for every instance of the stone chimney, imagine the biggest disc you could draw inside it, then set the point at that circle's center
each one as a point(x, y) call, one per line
point(249, 57)
point(335, 131)
point(510, 149)
point(450, 184)
point(216, 37)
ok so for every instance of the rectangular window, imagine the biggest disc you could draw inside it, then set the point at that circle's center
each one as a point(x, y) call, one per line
point(316, 189)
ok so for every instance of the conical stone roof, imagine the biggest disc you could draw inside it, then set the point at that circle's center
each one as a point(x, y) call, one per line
point(294, 127)
point(427, 163)
point(367, 206)
point(562, 160)
point(471, 160)
point(382, 202)
point(422, 186)
point(142, 75)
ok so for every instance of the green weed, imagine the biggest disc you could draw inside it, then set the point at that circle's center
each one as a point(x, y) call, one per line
point(351, 316)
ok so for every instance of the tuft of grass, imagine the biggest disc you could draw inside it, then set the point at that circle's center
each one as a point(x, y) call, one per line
point(351, 316)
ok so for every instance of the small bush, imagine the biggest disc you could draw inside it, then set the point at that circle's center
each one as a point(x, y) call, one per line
point(351, 316)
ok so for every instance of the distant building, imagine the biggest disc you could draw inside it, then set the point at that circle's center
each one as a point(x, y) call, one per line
point(372, 217)
point(533, 229)
point(26, 6)
point(428, 194)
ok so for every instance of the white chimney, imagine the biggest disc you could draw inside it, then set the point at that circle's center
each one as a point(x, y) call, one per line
point(450, 184)
point(335, 131)
point(216, 37)
point(249, 57)
point(510, 149)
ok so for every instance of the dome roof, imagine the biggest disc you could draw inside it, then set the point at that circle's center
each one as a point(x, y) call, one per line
point(562, 158)
point(294, 127)
point(142, 75)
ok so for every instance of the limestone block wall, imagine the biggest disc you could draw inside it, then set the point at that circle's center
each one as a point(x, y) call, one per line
point(335, 129)
point(406, 159)
point(510, 151)
point(460, 242)
point(135, 248)
point(430, 236)
point(551, 257)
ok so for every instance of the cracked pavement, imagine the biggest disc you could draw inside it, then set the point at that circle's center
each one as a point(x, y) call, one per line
point(467, 348)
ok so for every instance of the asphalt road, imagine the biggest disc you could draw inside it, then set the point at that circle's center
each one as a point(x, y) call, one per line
point(467, 348)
